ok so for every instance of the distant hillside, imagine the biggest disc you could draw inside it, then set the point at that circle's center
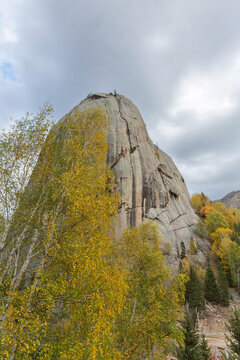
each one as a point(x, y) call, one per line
point(231, 199)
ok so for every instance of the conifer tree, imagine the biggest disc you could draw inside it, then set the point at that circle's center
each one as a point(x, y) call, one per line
point(233, 327)
point(178, 250)
point(211, 287)
point(194, 293)
point(205, 351)
point(190, 350)
point(236, 233)
point(183, 250)
point(223, 287)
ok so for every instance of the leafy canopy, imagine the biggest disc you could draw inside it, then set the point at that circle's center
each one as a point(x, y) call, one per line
point(77, 290)
point(147, 324)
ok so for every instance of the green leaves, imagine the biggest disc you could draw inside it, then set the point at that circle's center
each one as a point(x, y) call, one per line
point(190, 349)
point(215, 219)
point(194, 294)
point(19, 150)
point(147, 324)
point(211, 287)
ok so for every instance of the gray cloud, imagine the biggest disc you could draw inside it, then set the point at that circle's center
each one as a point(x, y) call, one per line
point(179, 61)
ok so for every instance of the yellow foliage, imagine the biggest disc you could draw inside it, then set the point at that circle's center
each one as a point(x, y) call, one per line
point(201, 273)
point(219, 234)
point(89, 293)
point(221, 244)
point(204, 210)
point(232, 215)
point(147, 324)
point(79, 289)
point(192, 247)
point(215, 219)
point(199, 201)
point(185, 266)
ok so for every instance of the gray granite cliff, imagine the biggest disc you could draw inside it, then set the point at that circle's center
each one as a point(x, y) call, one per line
point(150, 184)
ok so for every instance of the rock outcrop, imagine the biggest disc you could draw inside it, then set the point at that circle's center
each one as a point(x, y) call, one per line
point(150, 184)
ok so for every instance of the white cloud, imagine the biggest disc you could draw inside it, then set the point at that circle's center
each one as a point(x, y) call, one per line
point(8, 35)
point(209, 92)
point(8, 11)
point(156, 42)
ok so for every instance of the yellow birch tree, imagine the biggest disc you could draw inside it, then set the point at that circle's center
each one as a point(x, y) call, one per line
point(77, 290)
point(148, 324)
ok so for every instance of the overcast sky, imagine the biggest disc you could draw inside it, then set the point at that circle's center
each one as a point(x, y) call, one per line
point(177, 60)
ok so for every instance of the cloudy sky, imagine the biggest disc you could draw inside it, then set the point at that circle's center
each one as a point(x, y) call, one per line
point(177, 60)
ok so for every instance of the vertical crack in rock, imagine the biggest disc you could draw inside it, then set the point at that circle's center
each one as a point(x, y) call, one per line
point(132, 213)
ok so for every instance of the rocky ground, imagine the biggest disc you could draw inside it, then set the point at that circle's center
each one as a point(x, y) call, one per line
point(213, 320)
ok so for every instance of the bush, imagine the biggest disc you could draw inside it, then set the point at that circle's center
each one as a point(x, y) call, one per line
point(200, 229)
point(192, 247)
point(166, 248)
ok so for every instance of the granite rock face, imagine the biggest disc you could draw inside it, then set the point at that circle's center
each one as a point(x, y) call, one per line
point(150, 184)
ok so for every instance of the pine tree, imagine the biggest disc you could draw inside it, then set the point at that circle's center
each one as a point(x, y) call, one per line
point(205, 351)
point(211, 287)
point(194, 293)
point(183, 250)
point(190, 350)
point(223, 287)
point(236, 233)
point(178, 250)
point(233, 327)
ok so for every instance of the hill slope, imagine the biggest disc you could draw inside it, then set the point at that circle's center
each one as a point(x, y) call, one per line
point(232, 199)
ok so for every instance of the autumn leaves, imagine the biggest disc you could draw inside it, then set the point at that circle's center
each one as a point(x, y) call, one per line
point(81, 293)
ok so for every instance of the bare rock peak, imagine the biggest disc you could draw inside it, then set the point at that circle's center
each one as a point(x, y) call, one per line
point(150, 184)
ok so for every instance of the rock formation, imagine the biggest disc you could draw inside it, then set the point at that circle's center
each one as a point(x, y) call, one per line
point(151, 186)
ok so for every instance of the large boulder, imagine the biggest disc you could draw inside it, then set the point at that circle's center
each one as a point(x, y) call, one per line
point(150, 184)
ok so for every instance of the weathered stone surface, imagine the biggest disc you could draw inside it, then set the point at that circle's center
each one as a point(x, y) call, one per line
point(150, 184)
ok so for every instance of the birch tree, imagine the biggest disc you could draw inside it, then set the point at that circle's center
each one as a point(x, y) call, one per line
point(19, 150)
point(147, 325)
point(68, 309)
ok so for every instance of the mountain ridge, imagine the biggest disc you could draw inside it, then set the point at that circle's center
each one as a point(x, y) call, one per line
point(232, 199)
